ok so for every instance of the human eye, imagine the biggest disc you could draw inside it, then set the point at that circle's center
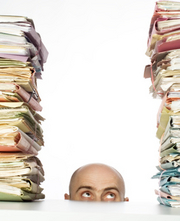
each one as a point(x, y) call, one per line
point(110, 196)
point(86, 195)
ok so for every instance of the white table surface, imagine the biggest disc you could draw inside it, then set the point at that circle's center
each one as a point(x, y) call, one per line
point(73, 210)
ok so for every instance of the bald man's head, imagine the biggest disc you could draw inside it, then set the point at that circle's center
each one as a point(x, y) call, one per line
point(96, 182)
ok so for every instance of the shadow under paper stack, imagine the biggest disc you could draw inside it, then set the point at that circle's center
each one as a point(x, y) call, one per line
point(22, 55)
point(164, 71)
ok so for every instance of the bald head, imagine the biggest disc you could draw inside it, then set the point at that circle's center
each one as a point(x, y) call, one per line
point(96, 182)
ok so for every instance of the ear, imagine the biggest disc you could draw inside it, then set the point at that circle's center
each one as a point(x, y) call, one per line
point(126, 199)
point(66, 196)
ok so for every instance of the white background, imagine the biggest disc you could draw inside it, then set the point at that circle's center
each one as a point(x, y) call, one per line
point(95, 100)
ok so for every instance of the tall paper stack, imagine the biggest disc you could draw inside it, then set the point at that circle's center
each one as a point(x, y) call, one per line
point(164, 71)
point(22, 55)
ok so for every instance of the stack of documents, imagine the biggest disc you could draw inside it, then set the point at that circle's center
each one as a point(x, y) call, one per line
point(20, 177)
point(164, 51)
point(22, 56)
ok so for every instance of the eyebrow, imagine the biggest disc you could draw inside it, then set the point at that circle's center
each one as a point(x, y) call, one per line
point(112, 188)
point(85, 187)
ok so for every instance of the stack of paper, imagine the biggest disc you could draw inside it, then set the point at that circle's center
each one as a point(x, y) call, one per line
point(20, 177)
point(22, 55)
point(164, 71)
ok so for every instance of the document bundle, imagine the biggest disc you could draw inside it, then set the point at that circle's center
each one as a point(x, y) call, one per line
point(163, 48)
point(22, 56)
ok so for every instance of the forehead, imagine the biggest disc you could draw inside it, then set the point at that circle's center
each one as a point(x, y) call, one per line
point(96, 176)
